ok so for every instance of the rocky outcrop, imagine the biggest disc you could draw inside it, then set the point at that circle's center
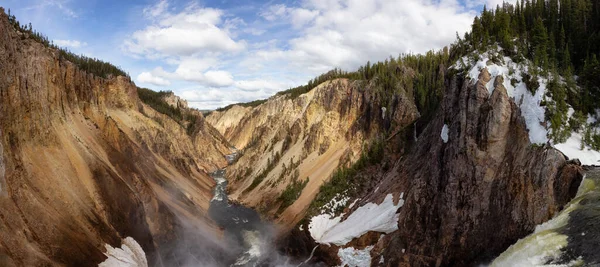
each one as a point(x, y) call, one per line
point(470, 198)
point(174, 101)
point(311, 135)
point(467, 198)
point(84, 163)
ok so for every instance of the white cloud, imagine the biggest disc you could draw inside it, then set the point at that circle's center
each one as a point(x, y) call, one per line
point(70, 43)
point(156, 10)
point(274, 12)
point(348, 34)
point(301, 16)
point(193, 31)
point(286, 45)
point(147, 77)
point(256, 85)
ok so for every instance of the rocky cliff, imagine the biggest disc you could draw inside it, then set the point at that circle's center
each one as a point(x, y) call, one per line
point(307, 138)
point(85, 163)
point(464, 184)
point(469, 198)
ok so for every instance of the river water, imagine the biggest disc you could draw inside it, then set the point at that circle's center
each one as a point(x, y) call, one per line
point(244, 230)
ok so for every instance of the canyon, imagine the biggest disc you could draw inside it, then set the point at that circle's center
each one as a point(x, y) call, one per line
point(346, 173)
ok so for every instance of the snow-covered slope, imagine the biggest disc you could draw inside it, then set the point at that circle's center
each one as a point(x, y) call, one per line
point(531, 105)
point(370, 217)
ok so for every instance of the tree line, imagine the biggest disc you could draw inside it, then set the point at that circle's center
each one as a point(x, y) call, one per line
point(90, 65)
point(558, 37)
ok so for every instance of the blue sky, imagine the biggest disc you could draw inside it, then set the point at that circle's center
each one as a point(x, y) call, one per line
point(214, 53)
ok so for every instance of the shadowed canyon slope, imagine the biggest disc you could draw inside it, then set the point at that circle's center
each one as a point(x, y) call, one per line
point(84, 162)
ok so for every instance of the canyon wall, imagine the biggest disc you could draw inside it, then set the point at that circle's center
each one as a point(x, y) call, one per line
point(470, 181)
point(85, 163)
point(307, 138)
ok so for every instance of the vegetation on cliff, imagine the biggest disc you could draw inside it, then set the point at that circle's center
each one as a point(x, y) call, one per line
point(155, 100)
point(185, 117)
point(90, 65)
point(348, 180)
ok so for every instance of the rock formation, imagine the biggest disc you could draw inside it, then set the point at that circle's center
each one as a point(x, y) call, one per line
point(84, 163)
point(314, 134)
point(467, 198)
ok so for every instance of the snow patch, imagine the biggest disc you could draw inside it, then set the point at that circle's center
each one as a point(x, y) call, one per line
point(572, 149)
point(371, 217)
point(130, 254)
point(354, 203)
point(352, 257)
point(336, 202)
point(444, 133)
point(529, 103)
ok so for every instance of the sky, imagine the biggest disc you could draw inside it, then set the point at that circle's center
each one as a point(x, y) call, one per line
point(215, 53)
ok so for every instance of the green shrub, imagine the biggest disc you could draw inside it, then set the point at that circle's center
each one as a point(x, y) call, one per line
point(291, 193)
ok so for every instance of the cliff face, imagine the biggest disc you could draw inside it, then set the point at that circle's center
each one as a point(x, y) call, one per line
point(471, 184)
point(470, 198)
point(84, 162)
point(304, 139)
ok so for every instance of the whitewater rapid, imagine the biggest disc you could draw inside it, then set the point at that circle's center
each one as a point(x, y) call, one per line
point(572, 238)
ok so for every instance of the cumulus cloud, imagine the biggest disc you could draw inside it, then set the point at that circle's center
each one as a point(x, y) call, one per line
point(347, 34)
point(70, 43)
point(147, 77)
point(287, 44)
point(256, 85)
point(193, 31)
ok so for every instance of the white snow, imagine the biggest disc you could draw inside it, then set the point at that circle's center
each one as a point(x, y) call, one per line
point(370, 217)
point(354, 202)
point(529, 104)
point(339, 200)
point(572, 149)
point(130, 254)
point(444, 133)
point(532, 111)
point(352, 257)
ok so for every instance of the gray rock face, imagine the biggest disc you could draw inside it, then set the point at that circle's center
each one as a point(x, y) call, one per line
point(469, 199)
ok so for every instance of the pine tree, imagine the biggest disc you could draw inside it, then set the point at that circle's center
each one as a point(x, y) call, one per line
point(539, 44)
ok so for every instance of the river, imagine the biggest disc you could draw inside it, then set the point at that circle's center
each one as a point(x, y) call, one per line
point(244, 230)
point(572, 238)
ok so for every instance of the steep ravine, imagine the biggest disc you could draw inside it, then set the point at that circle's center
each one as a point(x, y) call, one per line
point(463, 175)
point(84, 163)
point(305, 139)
